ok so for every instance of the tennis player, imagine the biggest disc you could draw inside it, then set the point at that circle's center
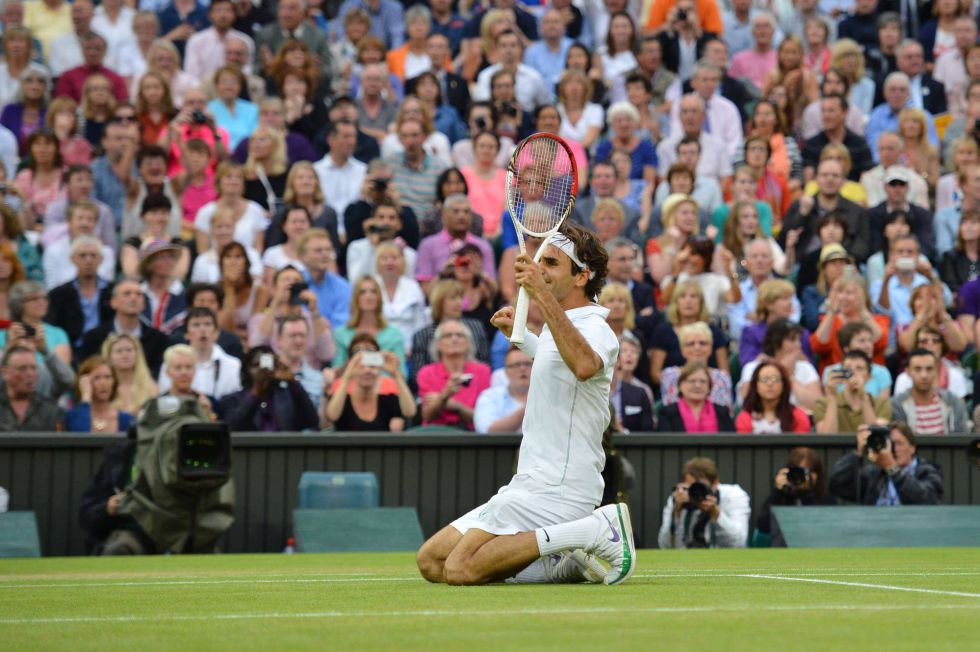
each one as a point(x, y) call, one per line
point(543, 526)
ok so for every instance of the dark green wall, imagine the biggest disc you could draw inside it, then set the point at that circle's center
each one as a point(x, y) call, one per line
point(441, 475)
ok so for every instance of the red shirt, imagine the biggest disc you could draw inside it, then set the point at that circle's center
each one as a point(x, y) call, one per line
point(70, 83)
point(433, 377)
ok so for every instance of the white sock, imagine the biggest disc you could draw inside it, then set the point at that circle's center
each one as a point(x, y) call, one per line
point(567, 536)
point(538, 572)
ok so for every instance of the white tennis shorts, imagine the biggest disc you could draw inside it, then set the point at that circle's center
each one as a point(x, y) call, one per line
point(522, 506)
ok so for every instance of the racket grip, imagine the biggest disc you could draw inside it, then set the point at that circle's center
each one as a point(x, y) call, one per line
point(520, 318)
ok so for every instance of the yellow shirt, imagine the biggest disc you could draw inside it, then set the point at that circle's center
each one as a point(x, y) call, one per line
point(851, 191)
point(45, 23)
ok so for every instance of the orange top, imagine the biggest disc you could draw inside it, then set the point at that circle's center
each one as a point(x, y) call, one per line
point(831, 352)
point(708, 14)
point(396, 62)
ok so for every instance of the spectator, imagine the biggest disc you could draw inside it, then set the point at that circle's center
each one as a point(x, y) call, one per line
point(950, 376)
point(621, 318)
point(402, 296)
point(216, 374)
point(376, 109)
point(848, 302)
point(26, 115)
point(166, 303)
point(632, 399)
point(294, 335)
point(784, 153)
point(683, 33)
point(127, 302)
point(792, 74)
point(919, 154)
point(687, 306)
point(838, 82)
point(181, 364)
point(486, 182)
point(366, 316)
point(96, 391)
point(412, 59)
point(875, 183)
point(291, 24)
point(163, 57)
point(530, 89)
point(832, 261)
point(608, 219)
point(39, 183)
point(605, 180)
point(679, 215)
point(744, 188)
point(959, 154)
point(694, 262)
point(81, 304)
point(289, 297)
point(694, 412)
point(846, 406)
point(548, 55)
point(816, 34)
point(925, 92)
point(895, 475)
point(639, 93)
point(296, 221)
point(896, 226)
point(861, 25)
point(211, 297)
point(436, 144)
point(272, 113)
point(580, 58)
point(62, 118)
point(881, 57)
point(71, 82)
point(208, 266)
point(767, 408)
point(265, 167)
point(271, 399)
point(11, 272)
point(357, 394)
point(792, 490)
point(97, 107)
point(250, 219)
point(950, 68)
point(897, 183)
point(339, 170)
point(332, 290)
point(181, 193)
point(927, 408)
point(962, 264)
point(436, 250)
point(623, 257)
point(696, 348)
point(758, 263)
point(719, 520)
point(134, 384)
point(415, 172)
point(450, 386)
point(376, 189)
point(446, 118)
point(17, 60)
point(28, 304)
point(714, 160)
point(753, 65)
point(303, 189)
point(774, 299)
point(21, 253)
point(22, 408)
point(130, 59)
point(772, 188)
point(858, 336)
point(746, 227)
point(500, 408)
point(446, 303)
point(156, 218)
point(383, 226)
point(115, 172)
point(617, 53)
point(948, 219)
point(387, 19)
point(833, 112)
point(205, 50)
point(194, 121)
point(236, 116)
point(783, 344)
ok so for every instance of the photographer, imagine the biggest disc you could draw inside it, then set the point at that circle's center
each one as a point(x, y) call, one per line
point(847, 404)
point(378, 189)
point(892, 475)
point(384, 225)
point(801, 482)
point(271, 401)
point(702, 513)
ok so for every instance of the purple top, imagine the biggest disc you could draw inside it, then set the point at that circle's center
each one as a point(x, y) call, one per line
point(435, 250)
point(968, 299)
point(750, 346)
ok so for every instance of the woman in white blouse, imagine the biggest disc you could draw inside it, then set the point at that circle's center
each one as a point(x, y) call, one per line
point(250, 218)
point(581, 120)
point(617, 54)
point(403, 299)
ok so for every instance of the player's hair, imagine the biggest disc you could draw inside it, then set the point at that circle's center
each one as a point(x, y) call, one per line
point(592, 254)
point(701, 468)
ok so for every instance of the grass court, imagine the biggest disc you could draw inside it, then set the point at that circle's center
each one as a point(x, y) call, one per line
point(789, 599)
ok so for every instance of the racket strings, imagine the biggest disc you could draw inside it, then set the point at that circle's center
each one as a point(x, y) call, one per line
point(541, 185)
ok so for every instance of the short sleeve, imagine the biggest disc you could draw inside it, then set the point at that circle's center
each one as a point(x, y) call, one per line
point(202, 221)
point(883, 408)
point(594, 115)
point(805, 372)
point(661, 338)
point(601, 339)
point(428, 380)
point(820, 409)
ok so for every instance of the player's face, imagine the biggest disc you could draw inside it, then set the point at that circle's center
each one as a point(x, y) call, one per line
point(557, 269)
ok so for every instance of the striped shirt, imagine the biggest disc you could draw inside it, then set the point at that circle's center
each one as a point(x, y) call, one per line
point(417, 185)
point(929, 417)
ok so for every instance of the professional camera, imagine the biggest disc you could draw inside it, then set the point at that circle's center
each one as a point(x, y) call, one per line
point(183, 495)
point(796, 480)
point(697, 492)
point(879, 438)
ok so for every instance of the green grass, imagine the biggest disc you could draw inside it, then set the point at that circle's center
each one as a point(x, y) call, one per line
point(677, 600)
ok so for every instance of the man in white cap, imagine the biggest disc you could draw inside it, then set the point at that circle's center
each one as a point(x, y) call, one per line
point(898, 180)
point(541, 527)
point(890, 148)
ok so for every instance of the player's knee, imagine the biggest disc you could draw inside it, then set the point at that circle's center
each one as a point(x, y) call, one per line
point(460, 573)
point(430, 567)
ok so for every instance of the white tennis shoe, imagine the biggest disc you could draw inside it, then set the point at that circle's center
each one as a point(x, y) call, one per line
point(576, 566)
point(614, 543)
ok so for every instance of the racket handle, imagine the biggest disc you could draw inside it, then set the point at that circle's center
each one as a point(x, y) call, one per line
point(520, 318)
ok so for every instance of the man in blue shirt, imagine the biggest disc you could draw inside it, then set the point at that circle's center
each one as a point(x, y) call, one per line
point(948, 219)
point(884, 117)
point(387, 20)
point(547, 56)
point(181, 18)
point(333, 292)
point(114, 172)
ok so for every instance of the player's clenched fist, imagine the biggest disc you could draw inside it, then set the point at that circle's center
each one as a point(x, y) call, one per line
point(528, 275)
point(503, 320)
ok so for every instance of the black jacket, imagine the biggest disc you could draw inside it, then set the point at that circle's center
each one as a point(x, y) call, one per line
point(920, 221)
point(153, 341)
point(933, 93)
point(288, 402)
point(924, 487)
point(113, 474)
point(670, 44)
point(669, 419)
point(637, 414)
point(855, 240)
point(955, 270)
point(861, 158)
point(455, 91)
point(65, 309)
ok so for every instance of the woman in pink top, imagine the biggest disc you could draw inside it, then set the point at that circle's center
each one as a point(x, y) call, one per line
point(486, 182)
point(449, 388)
point(694, 412)
point(40, 182)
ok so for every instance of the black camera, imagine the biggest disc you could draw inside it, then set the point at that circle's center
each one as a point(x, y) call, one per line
point(204, 451)
point(481, 123)
point(976, 127)
point(29, 331)
point(199, 118)
point(682, 14)
point(294, 291)
point(378, 228)
point(380, 185)
point(878, 438)
point(508, 109)
point(796, 480)
point(697, 492)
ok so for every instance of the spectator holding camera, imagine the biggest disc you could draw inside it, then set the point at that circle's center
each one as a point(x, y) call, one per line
point(694, 412)
point(801, 482)
point(384, 225)
point(767, 409)
point(271, 400)
point(847, 404)
point(927, 408)
point(357, 402)
point(703, 513)
point(858, 336)
point(885, 470)
point(450, 386)
point(367, 316)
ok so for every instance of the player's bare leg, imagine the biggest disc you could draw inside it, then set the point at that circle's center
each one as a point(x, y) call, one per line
point(431, 557)
point(482, 557)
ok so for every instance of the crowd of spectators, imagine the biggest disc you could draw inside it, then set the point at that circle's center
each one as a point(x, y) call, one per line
point(294, 211)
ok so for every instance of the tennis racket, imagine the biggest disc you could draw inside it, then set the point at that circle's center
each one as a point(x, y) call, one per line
point(542, 181)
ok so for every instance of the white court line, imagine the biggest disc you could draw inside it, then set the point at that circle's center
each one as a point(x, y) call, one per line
point(275, 615)
point(298, 580)
point(865, 585)
point(655, 575)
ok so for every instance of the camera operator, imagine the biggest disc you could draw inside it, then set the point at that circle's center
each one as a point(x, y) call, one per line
point(801, 482)
point(272, 401)
point(893, 473)
point(703, 513)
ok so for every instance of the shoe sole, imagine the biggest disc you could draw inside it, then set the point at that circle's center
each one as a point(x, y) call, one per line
point(591, 569)
point(629, 548)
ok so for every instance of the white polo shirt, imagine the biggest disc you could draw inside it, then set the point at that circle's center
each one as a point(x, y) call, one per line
point(565, 417)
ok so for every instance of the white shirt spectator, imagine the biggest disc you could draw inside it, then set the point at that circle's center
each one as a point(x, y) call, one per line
point(592, 116)
point(8, 151)
point(714, 162)
point(360, 260)
point(493, 403)
point(58, 270)
point(277, 258)
point(115, 33)
point(205, 52)
point(731, 530)
point(406, 310)
point(436, 145)
point(341, 185)
point(206, 268)
point(530, 89)
point(252, 221)
point(10, 86)
point(217, 377)
point(721, 120)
